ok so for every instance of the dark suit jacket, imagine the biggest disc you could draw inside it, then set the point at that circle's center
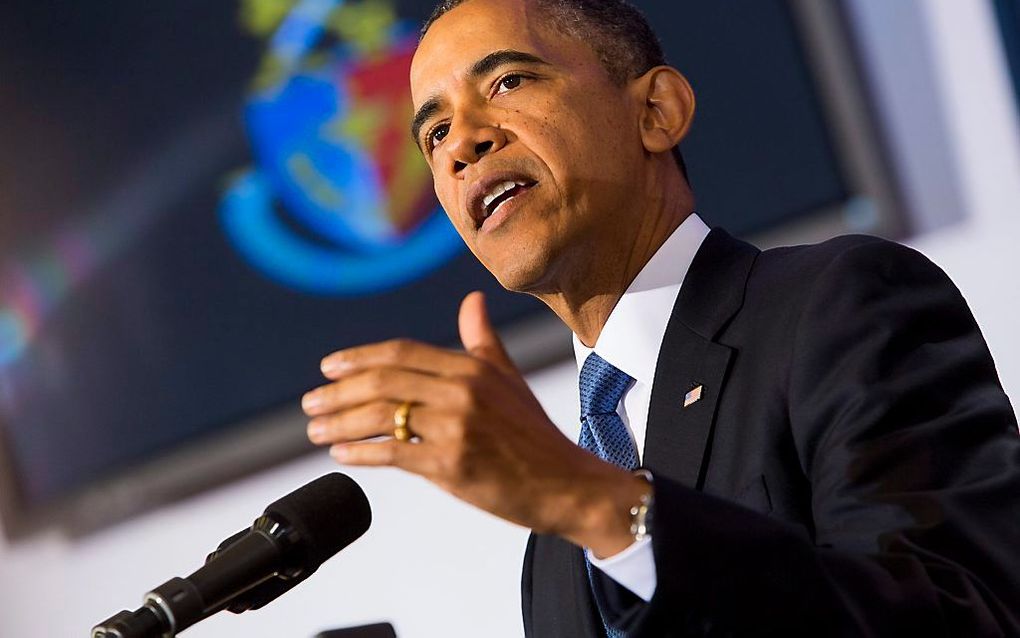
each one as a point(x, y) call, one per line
point(853, 468)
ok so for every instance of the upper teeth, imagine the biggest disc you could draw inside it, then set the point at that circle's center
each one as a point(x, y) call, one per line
point(498, 190)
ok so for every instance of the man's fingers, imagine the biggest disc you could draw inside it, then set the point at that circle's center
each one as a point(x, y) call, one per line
point(396, 353)
point(378, 384)
point(369, 420)
point(411, 457)
point(362, 422)
point(478, 336)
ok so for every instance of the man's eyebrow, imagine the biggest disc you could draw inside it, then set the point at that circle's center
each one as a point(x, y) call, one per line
point(427, 110)
point(480, 68)
point(497, 59)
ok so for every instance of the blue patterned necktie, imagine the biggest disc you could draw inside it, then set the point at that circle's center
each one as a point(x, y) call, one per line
point(603, 432)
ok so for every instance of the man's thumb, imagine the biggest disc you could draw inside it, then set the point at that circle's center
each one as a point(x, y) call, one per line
point(478, 335)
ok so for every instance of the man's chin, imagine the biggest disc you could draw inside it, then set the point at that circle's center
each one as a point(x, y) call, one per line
point(524, 277)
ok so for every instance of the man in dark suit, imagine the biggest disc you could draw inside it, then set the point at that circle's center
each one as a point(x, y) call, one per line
point(825, 445)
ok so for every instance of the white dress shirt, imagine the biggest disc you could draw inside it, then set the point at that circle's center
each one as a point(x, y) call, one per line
point(631, 340)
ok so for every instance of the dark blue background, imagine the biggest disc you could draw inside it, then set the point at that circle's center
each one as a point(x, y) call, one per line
point(1009, 20)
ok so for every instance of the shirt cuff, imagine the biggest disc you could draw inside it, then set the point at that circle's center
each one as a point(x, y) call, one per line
point(633, 568)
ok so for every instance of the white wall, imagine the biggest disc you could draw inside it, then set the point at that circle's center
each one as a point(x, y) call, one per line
point(438, 568)
point(982, 253)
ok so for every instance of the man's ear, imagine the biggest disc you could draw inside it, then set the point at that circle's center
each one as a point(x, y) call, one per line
point(668, 108)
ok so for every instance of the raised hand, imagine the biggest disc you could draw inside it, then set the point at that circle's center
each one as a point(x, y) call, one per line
point(480, 434)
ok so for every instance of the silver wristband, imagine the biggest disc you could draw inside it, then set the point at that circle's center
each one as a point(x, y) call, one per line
point(640, 519)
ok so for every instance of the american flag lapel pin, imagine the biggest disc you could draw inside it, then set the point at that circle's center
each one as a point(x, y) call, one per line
point(693, 396)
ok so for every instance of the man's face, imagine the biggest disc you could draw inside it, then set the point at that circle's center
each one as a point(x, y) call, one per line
point(534, 149)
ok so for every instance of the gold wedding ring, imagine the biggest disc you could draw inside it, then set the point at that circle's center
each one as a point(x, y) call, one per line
point(401, 431)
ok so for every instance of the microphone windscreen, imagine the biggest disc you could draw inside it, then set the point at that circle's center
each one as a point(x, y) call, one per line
point(328, 514)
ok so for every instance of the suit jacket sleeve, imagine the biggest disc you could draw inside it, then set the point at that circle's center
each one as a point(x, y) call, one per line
point(913, 457)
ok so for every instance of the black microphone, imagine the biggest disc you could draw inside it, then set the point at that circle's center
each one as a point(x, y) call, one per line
point(284, 546)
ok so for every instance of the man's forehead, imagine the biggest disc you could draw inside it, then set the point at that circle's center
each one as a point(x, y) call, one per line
point(468, 33)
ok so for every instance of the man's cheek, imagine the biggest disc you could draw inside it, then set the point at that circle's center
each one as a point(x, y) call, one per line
point(445, 200)
point(459, 221)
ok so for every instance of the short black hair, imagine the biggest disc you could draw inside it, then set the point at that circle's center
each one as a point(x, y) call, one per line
point(616, 30)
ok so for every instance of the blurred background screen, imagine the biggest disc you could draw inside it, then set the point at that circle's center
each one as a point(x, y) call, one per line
point(1008, 12)
point(200, 199)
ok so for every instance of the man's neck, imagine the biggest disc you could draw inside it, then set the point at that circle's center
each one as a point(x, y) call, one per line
point(586, 298)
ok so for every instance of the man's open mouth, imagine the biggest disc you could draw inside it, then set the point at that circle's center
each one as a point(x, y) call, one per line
point(494, 196)
point(501, 194)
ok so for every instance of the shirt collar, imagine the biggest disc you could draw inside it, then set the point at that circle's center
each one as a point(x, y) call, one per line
point(633, 334)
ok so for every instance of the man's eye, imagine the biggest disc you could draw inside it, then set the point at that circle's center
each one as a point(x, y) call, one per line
point(438, 134)
point(509, 83)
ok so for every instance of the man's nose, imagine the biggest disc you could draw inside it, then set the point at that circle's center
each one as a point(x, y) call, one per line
point(469, 143)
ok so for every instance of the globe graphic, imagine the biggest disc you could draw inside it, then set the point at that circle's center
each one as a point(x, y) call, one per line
point(331, 186)
point(333, 158)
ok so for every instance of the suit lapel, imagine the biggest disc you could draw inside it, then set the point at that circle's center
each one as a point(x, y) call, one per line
point(678, 440)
